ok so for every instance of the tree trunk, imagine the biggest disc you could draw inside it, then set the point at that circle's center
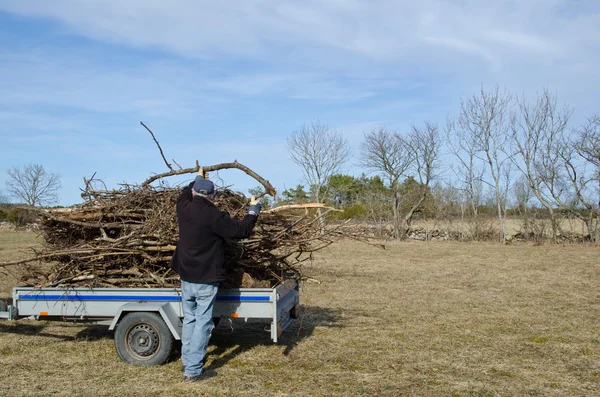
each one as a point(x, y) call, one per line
point(592, 226)
point(396, 210)
point(555, 226)
point(321, 221)
point(501, 234)
point(462, 220)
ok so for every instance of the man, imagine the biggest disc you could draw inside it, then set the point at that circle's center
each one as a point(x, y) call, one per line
point(199, 259)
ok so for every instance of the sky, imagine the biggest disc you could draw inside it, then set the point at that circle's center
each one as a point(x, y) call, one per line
point(224, 81)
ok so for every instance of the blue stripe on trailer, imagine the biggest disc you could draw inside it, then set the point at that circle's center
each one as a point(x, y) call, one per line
point(144, 298)
point(243, 298)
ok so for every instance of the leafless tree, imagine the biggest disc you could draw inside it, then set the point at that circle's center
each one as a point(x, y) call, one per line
point(506, 177)
point(424, 149)
point(538, 139)
point(387, 153)
point(532, 226)
point(320, 152)
point(483, 119)
point(588, 147)
point(467, 169)
point(446, 197)
point(33, 185)
point(587, 142)
point(376, 203)
point(3, 198)
point(522, 194)
point(582, 164)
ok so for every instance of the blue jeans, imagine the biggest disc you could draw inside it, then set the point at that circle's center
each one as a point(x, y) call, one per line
point(198, 301)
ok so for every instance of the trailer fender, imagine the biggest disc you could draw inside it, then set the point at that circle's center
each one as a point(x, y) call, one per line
point(164, 309)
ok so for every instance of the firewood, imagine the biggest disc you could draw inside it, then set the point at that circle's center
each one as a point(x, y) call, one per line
point(127, 236)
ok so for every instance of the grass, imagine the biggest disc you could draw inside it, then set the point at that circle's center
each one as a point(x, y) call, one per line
point(14, 246)
point(512, 225)
point(416, 319)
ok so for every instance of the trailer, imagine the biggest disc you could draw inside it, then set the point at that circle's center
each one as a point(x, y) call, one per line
point(147, 321)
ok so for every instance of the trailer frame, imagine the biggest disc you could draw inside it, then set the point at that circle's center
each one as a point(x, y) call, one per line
point(112, 306)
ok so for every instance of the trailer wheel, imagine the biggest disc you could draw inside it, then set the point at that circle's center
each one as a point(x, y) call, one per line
point(143, 338)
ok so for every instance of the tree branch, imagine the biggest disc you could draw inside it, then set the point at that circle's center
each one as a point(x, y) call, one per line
point(300, 206)
point(157, 144)
point(46, 256)
point(266, 184)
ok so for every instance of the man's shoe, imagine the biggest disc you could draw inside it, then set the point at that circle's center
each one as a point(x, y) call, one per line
point(205, 374)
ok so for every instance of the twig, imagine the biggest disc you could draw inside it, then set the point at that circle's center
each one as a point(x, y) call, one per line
point(157, 144)
point(114, 225)
point(177, 164)
point(287, 229)
point(88, 182)
point(51, 255)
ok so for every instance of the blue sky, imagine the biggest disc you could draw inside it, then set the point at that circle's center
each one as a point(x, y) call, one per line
point(224, 81)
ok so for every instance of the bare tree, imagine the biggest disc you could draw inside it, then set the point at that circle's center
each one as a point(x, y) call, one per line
point(467, 169)
point(587, 142)
point(386, 153)
point(587, 145)
point(523, 194)
point(538, 139)
point(506, 177)
point(585, 179)
point(424, 149)
point(446, 199)
point(33, 185)
point(374, 197)
point(3, 198)
point(532, 225)
point(320, 152)
point(483, 119)
point(394, 156)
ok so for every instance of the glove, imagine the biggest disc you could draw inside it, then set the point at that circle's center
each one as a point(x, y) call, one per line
point(255, 206)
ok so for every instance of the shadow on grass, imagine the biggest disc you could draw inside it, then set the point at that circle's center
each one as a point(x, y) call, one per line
point(232, 338)
point(90, 332)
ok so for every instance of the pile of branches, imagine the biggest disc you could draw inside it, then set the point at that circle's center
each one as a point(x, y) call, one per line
point(126, 238)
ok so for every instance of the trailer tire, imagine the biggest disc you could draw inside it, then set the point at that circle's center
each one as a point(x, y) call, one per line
point(143, 338)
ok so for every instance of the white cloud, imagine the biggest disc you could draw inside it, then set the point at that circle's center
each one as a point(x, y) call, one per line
point(382, 30)
point(516, 40)
point(350, 62)
point(311, 48)
point(70, 81)
point(463, 46)
point(157, 89)
point(342, 37)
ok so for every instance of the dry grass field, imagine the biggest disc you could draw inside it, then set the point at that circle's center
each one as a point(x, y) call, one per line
point(415, 319)
point(511, 225)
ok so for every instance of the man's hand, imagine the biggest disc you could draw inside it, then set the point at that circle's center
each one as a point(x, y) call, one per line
point(255, 206)
point(201, 172)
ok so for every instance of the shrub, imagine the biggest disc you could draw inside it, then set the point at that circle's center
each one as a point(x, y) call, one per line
point(20, 217)
point(3, 215)
point(354, 212)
